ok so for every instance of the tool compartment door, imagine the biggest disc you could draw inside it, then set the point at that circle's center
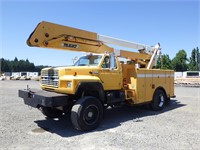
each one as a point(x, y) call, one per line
point(141, 86)
point(149, 85)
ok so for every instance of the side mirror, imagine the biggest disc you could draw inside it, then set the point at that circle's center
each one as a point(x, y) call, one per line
point(112, 62)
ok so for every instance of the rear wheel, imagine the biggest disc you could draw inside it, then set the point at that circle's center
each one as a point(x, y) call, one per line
point(159, 100)
point(51, 112)
point(87, 113)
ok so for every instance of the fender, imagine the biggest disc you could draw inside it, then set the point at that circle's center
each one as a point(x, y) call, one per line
point(161, 88)
point(91, 87)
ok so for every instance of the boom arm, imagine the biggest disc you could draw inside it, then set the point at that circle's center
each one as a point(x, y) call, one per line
point(49, 35)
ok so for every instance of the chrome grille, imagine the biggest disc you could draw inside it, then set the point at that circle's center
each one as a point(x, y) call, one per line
point(49, 77)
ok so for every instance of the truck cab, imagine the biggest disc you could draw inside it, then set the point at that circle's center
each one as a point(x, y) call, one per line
point(89, 68)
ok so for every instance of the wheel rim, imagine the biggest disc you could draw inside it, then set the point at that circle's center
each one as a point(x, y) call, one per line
point(161, 103)
point(91, 115)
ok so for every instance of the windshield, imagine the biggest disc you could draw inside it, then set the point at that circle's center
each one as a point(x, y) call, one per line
point(89, 60)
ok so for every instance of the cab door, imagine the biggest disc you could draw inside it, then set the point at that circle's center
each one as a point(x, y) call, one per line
point(111, 78)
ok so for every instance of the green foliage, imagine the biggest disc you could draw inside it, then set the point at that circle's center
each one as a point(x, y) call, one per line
point(194, 60)
point(198, 59)
point(164, 62)
point(18, 65)
point(4, 65)
point(179, 62)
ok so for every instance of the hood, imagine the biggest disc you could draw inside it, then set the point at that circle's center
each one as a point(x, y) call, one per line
point(77, 70)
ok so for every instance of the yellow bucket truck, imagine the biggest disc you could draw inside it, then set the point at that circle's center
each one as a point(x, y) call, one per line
point(103, 77)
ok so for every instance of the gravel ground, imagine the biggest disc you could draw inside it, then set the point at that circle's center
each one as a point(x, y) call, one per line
point(176, 127)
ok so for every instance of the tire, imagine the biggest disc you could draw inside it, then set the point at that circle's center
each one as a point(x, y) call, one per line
point(87, 113)
point(68, 108)
point(51, 112)
point(159, 100)
point(167, 102)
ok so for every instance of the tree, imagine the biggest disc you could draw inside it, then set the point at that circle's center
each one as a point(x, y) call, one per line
point(164, 62)
point(194, 60)
point(15, 65)
point(15, 60)
point(4, 65)
point(18, 66)
point(179, 62)
point(198, 59)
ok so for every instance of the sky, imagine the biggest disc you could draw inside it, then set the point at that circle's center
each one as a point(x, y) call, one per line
point(174, 24)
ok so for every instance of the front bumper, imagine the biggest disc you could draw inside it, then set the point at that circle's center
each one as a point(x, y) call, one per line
point(37, 98)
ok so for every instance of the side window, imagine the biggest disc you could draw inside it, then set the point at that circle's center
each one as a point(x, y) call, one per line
point(106, 63)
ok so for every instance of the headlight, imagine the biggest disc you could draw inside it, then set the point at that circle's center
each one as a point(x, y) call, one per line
point(69, 84)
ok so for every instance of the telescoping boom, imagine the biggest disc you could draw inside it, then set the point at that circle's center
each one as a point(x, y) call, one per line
point(50, 35)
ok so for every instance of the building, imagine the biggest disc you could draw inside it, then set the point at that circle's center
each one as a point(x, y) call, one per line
point(178, 74)
point(29, 74)
point(187, 74)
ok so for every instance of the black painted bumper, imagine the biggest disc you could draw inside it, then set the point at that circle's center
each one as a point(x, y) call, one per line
point(37, 98)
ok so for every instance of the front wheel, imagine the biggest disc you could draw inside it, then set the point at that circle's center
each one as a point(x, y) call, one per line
point(159, 100)
point(87, 113)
